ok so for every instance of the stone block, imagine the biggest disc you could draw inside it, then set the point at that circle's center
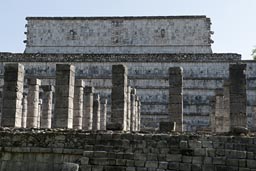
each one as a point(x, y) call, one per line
point(70, 167)
point(185, 167)
point(195, 144)
point(251, 164)
point(163, 165)
point(167, 126)
point(173, 165)
point(139, 163)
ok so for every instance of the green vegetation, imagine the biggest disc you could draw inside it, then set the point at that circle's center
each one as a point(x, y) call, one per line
point(254, 53)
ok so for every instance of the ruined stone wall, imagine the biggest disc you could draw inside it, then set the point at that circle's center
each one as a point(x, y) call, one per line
point(140, 35)
point(42, 150)
point(149, 75)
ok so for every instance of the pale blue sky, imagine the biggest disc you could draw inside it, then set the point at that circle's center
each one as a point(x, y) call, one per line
point(233, 21)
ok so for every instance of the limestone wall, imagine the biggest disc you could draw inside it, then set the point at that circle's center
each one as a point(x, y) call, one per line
point(149, 74)
point(42, 150)
point(140, 35)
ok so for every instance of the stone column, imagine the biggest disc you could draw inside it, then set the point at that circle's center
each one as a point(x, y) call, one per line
point(212, 102)
point(176, 97)
point(1, 104)
point(24, 110)
point(12, 95)
point(33, 102)
point(78, 104)
point(133, 111)
point(226, 112)
point(219, 110)
point(136, 112)
point(103, 113)
point(96, 112)
point(46, 117)
point(139, 115)
point(128, 123)
point(39, 113)
point(237, 94)
point(64, 91)
point(119, 97)
point(88, 108)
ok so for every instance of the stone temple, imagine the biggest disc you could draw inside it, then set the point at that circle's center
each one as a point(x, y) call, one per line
point(125, 94)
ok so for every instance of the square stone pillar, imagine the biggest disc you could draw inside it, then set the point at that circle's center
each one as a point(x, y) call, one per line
point(133, 109)
point(12, 95)
point(78, 104)
point(88, 108)
point(1, 104)
point(136, 112)
point(176, 97)
point(64, 91)
point(226, 112)
point(221, 115)
point(219, 111)
point(119, 97)
point(139, 115)
point(96, 112)
point(24, 110)
point(46, 116)
point(212, 101)
point(33, 102)
point(39, 113)
point(237, 92)
point(128, 120)
point(103, 113)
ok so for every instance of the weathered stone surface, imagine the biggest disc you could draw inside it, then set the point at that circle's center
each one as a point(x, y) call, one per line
point(33, 103)
point(119, 96)
point(176, 97)
point(128, 119)
point(237, 92)
point(103, 113)
point(46, 117)
point(133, 109)
point(12, 95)
point(221, 113)
point(78, 104)
point(88, 108)
point(167, 126)
point(24, 110)
point(64, 91)
point(152, 88)
point(118, 35)
point(70, 167)
point(96, 112)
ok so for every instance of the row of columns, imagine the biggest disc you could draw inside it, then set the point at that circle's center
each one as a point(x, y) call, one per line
point(76, 105)
point(74, 102)
point(229, 103)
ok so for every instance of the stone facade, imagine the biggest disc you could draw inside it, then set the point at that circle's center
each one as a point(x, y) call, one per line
point(122, 35)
